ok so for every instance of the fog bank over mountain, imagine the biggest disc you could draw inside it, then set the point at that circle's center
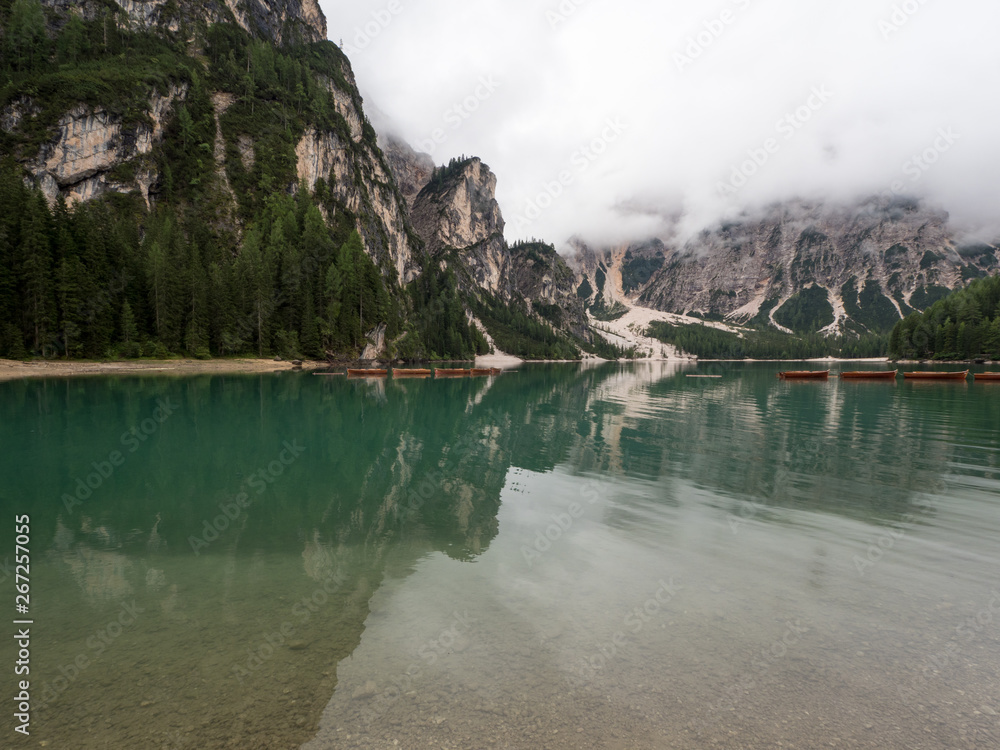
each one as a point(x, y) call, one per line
point(613, 121)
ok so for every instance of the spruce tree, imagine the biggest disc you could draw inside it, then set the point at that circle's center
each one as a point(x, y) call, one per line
point(36, 272)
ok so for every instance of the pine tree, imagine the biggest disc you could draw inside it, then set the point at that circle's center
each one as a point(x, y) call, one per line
point(256, 278)
point(130, 332)
point(25, 38)
point(991, 343)
point(36, 271)
point(71, 324)
point(156, 276)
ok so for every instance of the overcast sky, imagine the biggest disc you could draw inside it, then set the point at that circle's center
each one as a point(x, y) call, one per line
point(607, 119)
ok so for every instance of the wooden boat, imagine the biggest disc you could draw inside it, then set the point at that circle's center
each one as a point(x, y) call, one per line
point(987, 377)
point(367, 373)
point(400, 373)
point(804, 375)
point(443, 372)
point(936, 375)
point(478, 372)
point(870, 375)
point(495, 371)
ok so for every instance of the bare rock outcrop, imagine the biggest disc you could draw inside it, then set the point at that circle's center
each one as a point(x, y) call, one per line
point(81, 162)
point(890, 258)
point(458, 211)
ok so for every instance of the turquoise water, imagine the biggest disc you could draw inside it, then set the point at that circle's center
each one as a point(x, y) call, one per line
point(614, 556)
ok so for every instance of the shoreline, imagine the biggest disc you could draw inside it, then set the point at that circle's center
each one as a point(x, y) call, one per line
point(16, 369)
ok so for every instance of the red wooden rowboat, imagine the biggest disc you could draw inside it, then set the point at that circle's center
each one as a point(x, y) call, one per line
point(804, 375)
point(495, 371)
point(400, 373)
point(442, 372)
point(870, 375)
point(988, 377)
point(480, 371)
point(936, 375)
point(367, 373)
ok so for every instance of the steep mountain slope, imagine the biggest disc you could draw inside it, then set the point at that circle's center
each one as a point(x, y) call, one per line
point(80, 139)
point(800, 266)
point(224, 148)
point(457, 215)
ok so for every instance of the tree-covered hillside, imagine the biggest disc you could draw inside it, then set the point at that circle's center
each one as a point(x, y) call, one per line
point(963, 325)
point(237, 258)
point(112, 279)
point(712, 343)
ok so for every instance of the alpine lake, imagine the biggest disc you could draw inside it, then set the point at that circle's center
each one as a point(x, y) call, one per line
point(562, 556)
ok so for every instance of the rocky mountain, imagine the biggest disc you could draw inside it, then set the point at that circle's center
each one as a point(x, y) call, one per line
point(97, 144)
point(214, 137)
point(280, 21)
point(217, 135)
point(457, 215)
point(799, 266)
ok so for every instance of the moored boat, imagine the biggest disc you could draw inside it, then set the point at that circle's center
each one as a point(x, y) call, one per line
point(804, 374)
point(442, 372)
point(987, 377)
point(495, 371)
point(918, 375)
point(480, 371)
point(402, 373)
point(367, 373)
point(870, 375)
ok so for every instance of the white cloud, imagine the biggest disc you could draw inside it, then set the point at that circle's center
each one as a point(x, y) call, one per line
point(700, 88)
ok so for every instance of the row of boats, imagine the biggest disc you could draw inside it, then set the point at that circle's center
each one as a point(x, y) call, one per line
point(439, 372)
point(888, 375)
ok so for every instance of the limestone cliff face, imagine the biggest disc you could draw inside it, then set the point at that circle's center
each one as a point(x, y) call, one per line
point(361, 183)
point(412, 170)
point(80, 162)
point(459, 212)
point(457, 216)
point(92, 152)
point(277, 20)
point(896, 257)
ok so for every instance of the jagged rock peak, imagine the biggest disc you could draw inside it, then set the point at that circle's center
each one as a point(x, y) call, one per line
point(857, 267)
point(457, 210)
point(278, 20)
point(458, 207)
point(412, 169)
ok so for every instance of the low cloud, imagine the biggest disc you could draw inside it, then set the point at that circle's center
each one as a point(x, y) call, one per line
point(776, 99)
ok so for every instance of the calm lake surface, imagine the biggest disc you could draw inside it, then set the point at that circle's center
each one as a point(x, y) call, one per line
point(614, 556)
